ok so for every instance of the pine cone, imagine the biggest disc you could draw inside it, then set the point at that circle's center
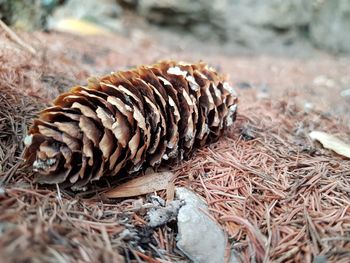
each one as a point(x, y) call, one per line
point(129, 120)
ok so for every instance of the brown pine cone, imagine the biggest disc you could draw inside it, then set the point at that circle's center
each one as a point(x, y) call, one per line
point(129, 120)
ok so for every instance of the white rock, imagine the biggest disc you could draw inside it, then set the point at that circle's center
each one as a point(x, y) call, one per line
point(28, 140)
point(308, 106)
point(345, 93)
point(200, 238)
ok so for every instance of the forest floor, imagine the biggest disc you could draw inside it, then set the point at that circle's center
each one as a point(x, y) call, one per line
point(278, 195)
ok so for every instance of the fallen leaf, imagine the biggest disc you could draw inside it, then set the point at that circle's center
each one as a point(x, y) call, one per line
point(331, 142)
point(145, 184)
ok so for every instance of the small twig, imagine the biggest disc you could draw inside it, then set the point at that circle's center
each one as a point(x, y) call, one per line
point(16, 38)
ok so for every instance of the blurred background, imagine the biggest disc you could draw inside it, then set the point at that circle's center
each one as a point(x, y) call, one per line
point(279, 48)
point(273, 26)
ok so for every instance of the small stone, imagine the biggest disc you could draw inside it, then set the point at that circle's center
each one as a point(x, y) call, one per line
point(243, 85)
point(308, 106)
point(247, 132)
point(162, 215)
point(345, 93)
point(263, 91)
point(126, 234)
point(200, 238)
point(324, 81)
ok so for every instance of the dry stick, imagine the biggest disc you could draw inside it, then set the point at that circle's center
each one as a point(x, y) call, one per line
point(16, 38)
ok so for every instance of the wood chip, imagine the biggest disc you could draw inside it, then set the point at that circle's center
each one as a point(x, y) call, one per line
point(145, 184)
